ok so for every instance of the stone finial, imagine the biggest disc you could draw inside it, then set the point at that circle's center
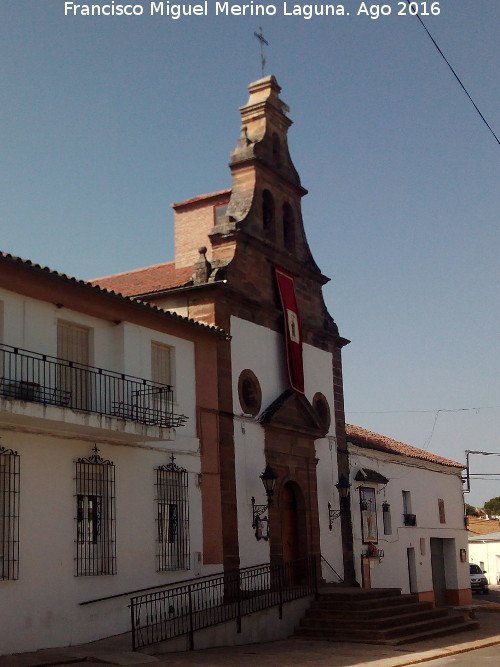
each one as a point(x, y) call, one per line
point(202, 268)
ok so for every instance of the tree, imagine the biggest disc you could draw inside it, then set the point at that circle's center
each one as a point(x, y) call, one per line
point(492, 507)
point(470, 510)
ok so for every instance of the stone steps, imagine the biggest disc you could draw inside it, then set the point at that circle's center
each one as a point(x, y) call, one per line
point(377, 616)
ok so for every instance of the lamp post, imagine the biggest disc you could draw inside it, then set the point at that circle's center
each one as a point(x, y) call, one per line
point(343, 488)
point(268, 478)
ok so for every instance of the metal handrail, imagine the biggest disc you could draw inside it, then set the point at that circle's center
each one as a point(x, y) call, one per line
point(40, 378)
point(183, 609)
point(323, 560)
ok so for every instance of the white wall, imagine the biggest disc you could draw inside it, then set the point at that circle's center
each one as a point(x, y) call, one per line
point(487, 551)
point(427, 483)
point(263, 352)
point(42, 608)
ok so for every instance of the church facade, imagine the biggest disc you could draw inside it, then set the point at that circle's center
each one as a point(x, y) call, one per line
point(224, 372)
point(242, 263)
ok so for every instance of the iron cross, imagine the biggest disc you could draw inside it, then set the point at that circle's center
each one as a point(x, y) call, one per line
point(262, 41)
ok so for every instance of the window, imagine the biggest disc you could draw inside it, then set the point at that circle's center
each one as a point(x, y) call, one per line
point(409, 519)
point(442, 515)
point(95, 516)
point(249, 392)
point(162, 358)
point(73, 345)
point(386, 518)
point(9, 514)
point(220, 211)
point(172, 517)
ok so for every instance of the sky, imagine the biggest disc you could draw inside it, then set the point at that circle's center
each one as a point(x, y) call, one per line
point(107, 120)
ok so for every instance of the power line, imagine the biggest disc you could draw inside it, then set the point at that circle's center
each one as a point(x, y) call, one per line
point(455, 75)
point(392, 412)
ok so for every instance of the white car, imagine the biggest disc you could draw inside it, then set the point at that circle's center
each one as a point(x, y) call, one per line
point(478, 581)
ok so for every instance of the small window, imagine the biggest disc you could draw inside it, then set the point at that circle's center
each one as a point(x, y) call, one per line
point(386, 518)
point(172, 517)
point(220, 211)
point(95, 516)
point(9, 514)
point(442, 515)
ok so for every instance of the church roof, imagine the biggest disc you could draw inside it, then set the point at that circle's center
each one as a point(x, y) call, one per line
point(370, 440)
point(146, 280)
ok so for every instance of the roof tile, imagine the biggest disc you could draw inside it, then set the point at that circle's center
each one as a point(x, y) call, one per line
point(146, 280)
point(364, 438)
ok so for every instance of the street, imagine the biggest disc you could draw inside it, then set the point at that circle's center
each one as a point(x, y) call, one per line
point(481, 656)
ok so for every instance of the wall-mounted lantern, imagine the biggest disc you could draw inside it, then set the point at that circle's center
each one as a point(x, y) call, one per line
point(343, 487)
point(261, 526)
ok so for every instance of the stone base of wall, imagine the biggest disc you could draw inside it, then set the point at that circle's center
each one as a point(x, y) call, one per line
point(459, 597)
point(454, 598)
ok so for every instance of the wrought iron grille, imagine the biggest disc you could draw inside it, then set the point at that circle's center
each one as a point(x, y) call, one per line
point(95, 517)
point(184, 608)
point(173, 517)
point(9, 514)
point(40, 378)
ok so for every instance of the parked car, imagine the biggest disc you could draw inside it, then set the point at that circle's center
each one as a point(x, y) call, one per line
point(478, 581)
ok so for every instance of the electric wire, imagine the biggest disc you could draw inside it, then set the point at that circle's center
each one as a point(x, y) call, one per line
point(455, 75)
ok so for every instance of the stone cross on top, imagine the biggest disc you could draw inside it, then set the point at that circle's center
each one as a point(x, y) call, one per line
point(260, 37)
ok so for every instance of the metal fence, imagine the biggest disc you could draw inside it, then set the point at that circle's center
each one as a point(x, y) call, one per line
point(185, 608)
point(40, 378)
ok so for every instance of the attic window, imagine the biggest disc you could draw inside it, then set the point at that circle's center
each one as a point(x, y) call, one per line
point(220, 211)
point(249, 392)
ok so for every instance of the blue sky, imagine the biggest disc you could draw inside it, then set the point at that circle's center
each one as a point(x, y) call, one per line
point(105, 121)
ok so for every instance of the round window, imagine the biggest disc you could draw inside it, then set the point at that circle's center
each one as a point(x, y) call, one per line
point(249, 392)
point(320, 404)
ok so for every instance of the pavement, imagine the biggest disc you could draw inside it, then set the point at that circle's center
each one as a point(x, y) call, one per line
point(295, 652)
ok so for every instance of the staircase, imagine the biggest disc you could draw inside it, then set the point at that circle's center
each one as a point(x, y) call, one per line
point(377, 616)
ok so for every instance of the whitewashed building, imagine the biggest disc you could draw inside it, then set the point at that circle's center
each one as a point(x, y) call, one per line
point(100, 462)
point(484, 550)
point(408, 519)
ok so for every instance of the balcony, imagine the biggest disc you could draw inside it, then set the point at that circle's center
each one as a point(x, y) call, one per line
point(59, 385)
point(409, 519)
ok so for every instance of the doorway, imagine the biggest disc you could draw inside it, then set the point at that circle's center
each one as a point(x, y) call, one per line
point(412, 569)
point(438, 570)
point(290, 523)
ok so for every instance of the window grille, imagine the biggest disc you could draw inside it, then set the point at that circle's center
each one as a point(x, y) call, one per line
point(95, 516)
point(172, 517)
point(9, 514)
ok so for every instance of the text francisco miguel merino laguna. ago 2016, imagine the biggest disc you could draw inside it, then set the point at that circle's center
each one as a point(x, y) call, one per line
point(225, 8)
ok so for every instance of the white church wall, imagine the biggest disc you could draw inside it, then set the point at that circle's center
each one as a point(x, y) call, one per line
point(327, 477)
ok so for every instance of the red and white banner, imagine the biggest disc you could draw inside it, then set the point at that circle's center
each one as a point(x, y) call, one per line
point(293, 329)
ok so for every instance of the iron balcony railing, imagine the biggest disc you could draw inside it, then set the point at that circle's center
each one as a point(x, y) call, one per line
point(40, 378)
point(184, 608)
